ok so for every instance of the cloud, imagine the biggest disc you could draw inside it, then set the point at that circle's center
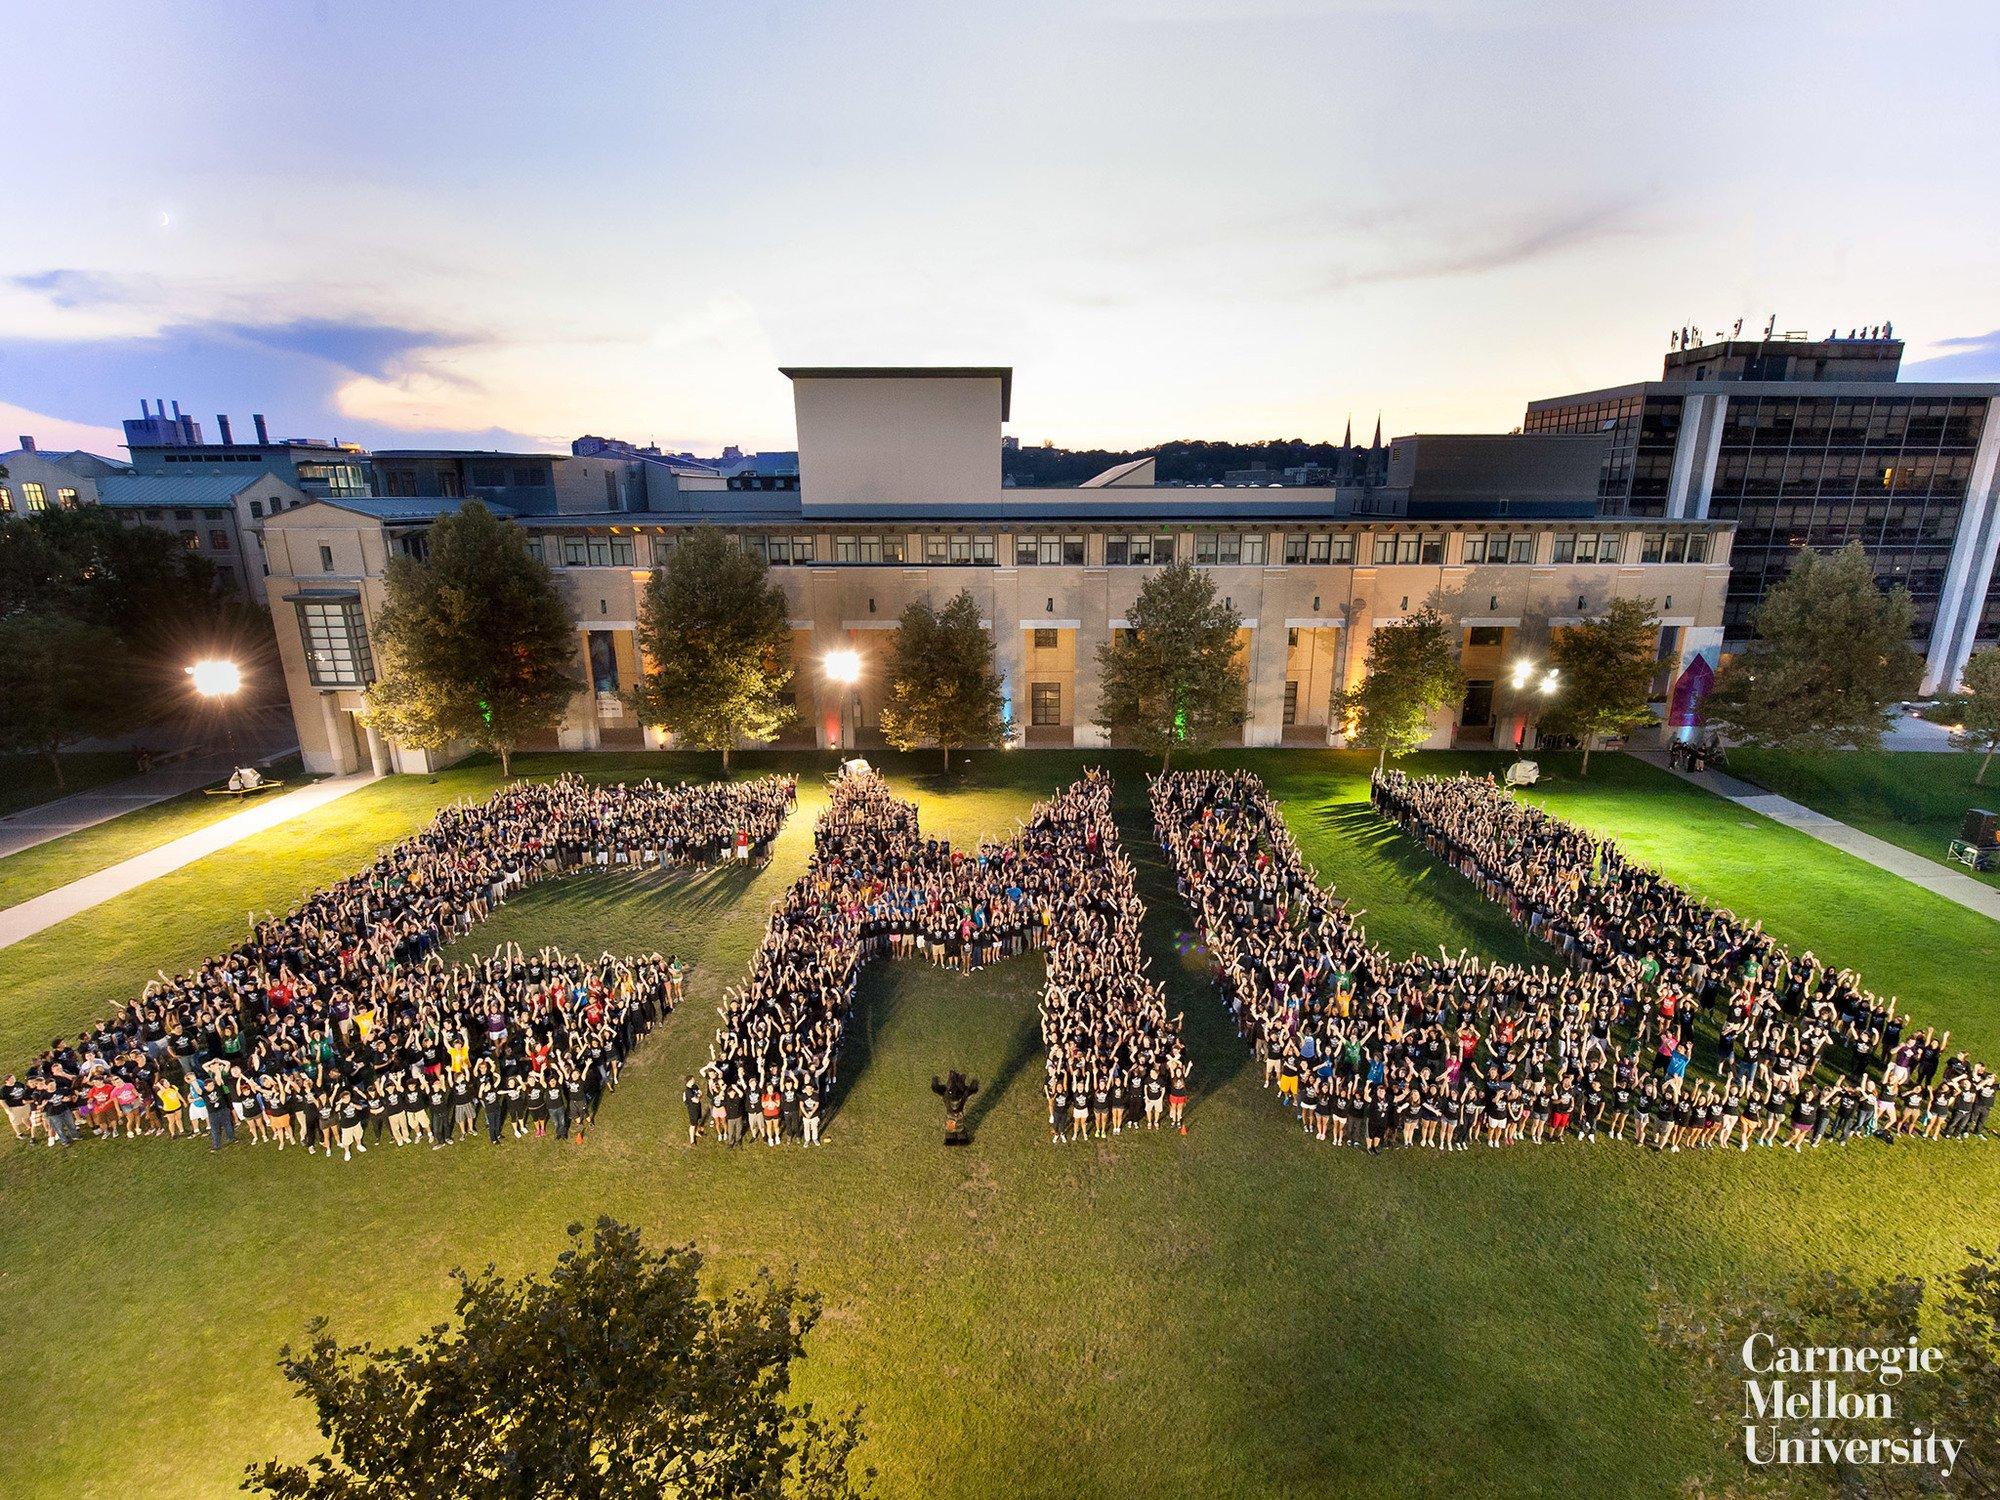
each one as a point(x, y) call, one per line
point(1417, 247)
point(1970, 357)
point(71, 289)
point(55, 435)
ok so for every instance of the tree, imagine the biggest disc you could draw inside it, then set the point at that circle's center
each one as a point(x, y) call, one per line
point(1832, 655)
point(475, 643)
point(1959, 1398)
point(718, 642)
point(1174, 679)
point(61, 680)
point(612, 1377)
point(1977, 709)
point(1412, 672)
point(943, 689)
point(1607, 668)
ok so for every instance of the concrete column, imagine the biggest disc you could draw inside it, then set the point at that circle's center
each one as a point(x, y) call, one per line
point(1266, 661)
point(1970, 573)
point(1093, 630)
point(340, 757)
point(378, 751)
point(1007, 653)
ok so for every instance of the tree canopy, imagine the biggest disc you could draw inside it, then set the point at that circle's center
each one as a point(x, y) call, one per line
point(475, 642)
point(717, 638)
point(612, 1376)
point(943, 687)
point(1412, 672)
point(1832, 654)
point(1606, 666)
point(1174, 679)
point(61, 680)
point(1977, 709)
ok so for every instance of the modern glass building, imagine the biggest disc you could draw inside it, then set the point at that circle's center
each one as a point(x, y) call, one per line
point(1836, 449)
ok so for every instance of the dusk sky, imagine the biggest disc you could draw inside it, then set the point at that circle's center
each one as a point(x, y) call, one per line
point(506, 224)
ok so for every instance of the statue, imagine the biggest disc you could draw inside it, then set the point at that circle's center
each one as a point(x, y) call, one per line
point(955, 1089)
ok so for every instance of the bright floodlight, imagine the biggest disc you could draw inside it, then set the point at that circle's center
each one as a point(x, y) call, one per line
point(843, 666)
point(215, 678)
point(1551, 679)
point(1524, 671)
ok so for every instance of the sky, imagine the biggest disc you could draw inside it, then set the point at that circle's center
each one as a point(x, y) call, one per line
point(504, 224)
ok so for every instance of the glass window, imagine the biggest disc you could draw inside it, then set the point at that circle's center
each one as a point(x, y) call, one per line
point(66, 499)
point(1072, 550)
point(38, 500)
point(1342, 550)
point(936, 549)
point(982, 550)
point(1295, 548)
point(1320, 549)
point(1473, 548)
point(1253, 549)
point(781, 551)
point(536, 551)
point(1045, 638)
point(325, 553)
point(1025, 552)
point(1676, 548)
point(844, 550)
point(256, 510)
point(1483, 635)
point(1045, 703)
point(218, 540)
point(892, 549)
point(336, 643)
point(1050, 550)
point(6, 500)
point(1651, 545)
point(961, 549)
point(1698, 547)
point(1431, 550)
point(1204, 547)
point(1117, 551)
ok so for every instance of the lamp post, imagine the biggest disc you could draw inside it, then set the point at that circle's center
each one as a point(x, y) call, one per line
point(217, 680)
point(843, 669)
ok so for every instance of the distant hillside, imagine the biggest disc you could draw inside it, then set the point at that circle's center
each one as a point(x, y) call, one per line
point(1183, 461)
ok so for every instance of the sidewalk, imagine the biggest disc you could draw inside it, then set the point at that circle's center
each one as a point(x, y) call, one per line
point(80, 810)
point(1939, 880)
point(38, 912)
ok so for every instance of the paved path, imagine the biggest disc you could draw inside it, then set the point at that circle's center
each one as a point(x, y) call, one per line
point(80, 810)
point(51, 907)
point(1940, 880)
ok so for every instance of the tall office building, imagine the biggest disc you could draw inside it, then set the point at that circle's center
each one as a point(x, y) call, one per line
point(1813, 443)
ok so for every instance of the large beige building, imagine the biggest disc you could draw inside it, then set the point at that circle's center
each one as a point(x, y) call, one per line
point(899, 499)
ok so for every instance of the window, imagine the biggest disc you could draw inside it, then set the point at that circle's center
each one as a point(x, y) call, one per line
point(1137, 551)
point(336, 642)
point(1292, 702)
point(1431, 550)
point(611, 491)
point(1049, 550)
point(597, 551)
point(1044, 703)
point(191, 539)
point(1482, 635)
point(1499, 547)
point(1584, 547)
point(1253, 549)
point(1045, 639)
point(1400, 549)
point(1024, 552)
point(539, 554)
point(1698, 547)
point(256, 510)
point(892, 549)
point(179, 515)
point(6, 501)
point(935, 549)
point(1204, 548)
point(218, 541)
point(982, 550)
point(325, 557)
point(1072, 550)
point(1295, 548)
point(66, 499)
point(36, 499)
point(603, 661)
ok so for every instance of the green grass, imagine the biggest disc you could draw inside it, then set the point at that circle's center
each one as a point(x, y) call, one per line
point(1913, 799)
point(27, 780)
point(59, 861)
point(1238, 1313)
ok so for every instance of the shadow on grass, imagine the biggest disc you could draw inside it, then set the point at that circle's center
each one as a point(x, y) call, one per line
point(1022, 1047)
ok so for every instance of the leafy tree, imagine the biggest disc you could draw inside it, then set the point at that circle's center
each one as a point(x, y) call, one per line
point(1959, 1399)
point(612, 1377)
point(943, 689)
point(718, 642)
point(1977, 709)
point(61, 680)
point(1412, 672)
point(1607, 667)
point(1174, 680)
point(1832, 654)
point(475, 643)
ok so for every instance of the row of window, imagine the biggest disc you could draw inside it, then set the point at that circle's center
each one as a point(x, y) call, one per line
point(35, 498)
point(1141, 549)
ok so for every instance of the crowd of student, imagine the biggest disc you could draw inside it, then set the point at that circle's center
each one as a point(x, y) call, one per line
point(340, 1023)
point(1450, 1052)
point(876, 887)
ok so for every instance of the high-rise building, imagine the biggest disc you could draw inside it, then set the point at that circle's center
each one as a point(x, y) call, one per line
point(1813, 443)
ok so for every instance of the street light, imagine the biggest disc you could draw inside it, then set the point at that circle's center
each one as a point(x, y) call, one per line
point(1551, 680)
point(842, 666)
point(1524, 672)
point(215, 678)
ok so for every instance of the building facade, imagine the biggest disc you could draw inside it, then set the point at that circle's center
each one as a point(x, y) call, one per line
point(1814, 443)
point(35, 481)
point(899, 500)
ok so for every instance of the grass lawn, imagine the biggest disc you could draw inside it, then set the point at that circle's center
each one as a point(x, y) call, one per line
point(1912, 798)
point(26, 780)
point(59, 861)
point(1238, 1313)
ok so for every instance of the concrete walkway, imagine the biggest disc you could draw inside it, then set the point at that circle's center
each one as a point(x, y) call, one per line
point(58, 905)
point(80, 810)
point(1939, 880)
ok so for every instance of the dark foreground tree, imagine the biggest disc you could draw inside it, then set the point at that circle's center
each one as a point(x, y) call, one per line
point(1832, 654)
point(943, 689)
point(1607, 666)
point(717, 637)
point(1411, 674)
point(1173, 680)
point(1958, 1398)
point(611, 1377)
point(475, 642)
point(61, 680)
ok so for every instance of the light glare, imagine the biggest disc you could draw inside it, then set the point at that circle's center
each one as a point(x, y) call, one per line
point(843, 666)
point(214, 678)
